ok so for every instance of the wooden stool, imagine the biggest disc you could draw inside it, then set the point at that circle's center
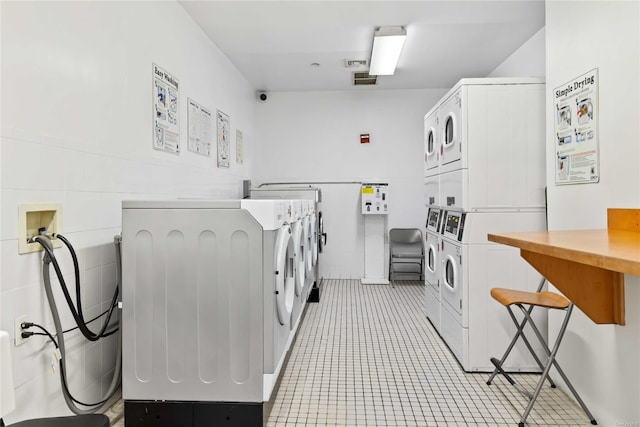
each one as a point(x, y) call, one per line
point(548, 300)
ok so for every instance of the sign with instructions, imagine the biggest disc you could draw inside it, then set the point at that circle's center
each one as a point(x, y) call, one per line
point(166, 98)
point(576, 130)
point(375, 199)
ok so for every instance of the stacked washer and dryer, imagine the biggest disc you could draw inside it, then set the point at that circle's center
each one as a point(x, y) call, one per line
point(209, 308)
point(484, 173)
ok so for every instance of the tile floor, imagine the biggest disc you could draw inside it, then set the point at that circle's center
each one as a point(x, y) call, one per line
point(367, 356)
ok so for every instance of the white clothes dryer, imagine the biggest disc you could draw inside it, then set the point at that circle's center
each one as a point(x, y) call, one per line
point(475, 326)
point(490, 132)
point(433, 241)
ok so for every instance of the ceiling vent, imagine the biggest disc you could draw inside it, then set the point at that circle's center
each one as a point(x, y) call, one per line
point(355, 63)
point(364, 79)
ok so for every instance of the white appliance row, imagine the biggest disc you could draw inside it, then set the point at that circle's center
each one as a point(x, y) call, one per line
point(484, 146)
point(461, 268)
point(313, 194)
point(212, 295)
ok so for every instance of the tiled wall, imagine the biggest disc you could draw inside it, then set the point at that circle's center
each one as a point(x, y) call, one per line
point(76, 130)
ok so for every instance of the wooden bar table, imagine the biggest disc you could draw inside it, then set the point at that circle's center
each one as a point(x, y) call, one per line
point(587, 266)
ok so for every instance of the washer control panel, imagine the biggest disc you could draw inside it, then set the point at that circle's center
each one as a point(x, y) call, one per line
point(453, 227)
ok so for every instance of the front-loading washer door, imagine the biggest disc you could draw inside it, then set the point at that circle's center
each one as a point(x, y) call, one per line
point(322, 238)
point(284, 269)
point(306, 236)
point(451, 276)
point(314, 240)
point(299, 255)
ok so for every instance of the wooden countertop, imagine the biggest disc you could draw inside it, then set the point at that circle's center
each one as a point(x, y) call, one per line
point(588, 266)
point(615, 250)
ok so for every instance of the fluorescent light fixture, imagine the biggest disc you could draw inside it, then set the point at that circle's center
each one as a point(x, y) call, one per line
point(387, 45)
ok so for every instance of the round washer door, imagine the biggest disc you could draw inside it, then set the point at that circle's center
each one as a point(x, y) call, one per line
point(321, 237)
point(300, 254)
point(314, 240)
point(284, 268)
point(308, 244)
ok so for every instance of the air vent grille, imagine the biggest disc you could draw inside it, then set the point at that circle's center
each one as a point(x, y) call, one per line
point(355, 63)
point(364, 79)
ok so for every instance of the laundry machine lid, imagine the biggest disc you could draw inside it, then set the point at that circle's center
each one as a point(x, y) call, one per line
point(270, 214)
point(310, 193)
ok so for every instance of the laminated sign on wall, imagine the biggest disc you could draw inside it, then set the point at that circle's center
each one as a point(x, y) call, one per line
point(166, 126)
point(576, 130)
point(375, 199)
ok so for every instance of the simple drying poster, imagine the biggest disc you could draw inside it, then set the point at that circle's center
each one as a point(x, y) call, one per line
point(576, 130)
point(200, 127)
point(166, 127)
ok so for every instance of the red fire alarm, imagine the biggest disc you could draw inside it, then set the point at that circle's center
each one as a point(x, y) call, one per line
point(364, 138)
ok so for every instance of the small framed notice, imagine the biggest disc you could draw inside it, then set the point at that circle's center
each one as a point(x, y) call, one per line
point(223, 131)
point(200, 123)
point(239, 147)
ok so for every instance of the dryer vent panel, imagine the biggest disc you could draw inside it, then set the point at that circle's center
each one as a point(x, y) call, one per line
point(364, 79)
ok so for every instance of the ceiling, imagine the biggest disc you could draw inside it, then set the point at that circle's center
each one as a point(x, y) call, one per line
point(274, 43)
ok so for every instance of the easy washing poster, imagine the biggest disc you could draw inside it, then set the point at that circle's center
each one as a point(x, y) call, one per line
point(576, 130)
point(166, 126)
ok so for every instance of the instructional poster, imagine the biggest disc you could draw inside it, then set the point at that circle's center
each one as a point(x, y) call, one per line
point(166, 126)
point(576, 130)
point(223, 127)
point(239, 147)
point(200, 128)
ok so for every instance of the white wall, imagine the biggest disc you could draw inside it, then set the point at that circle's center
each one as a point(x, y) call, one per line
point(527, 61)
point(603, 361)
point(323, 129)
point(76, 129)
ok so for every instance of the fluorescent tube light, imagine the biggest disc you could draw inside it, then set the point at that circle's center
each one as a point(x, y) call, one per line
point(387, 45)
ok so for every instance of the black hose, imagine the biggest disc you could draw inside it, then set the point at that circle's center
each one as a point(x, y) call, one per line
point(76, 313)
point(49, 258)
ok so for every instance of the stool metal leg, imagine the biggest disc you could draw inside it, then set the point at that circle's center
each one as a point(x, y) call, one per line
point(552, 361)
point(519, 333)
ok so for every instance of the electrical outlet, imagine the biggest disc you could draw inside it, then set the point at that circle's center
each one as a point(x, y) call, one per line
point(18, 329)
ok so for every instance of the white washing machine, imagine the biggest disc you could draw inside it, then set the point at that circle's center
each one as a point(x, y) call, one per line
point(431, 144)
point(433, 241)
point(474, 326)
point(313, 194)
point(300, 253)
point(310, 239)
point(207, 295)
